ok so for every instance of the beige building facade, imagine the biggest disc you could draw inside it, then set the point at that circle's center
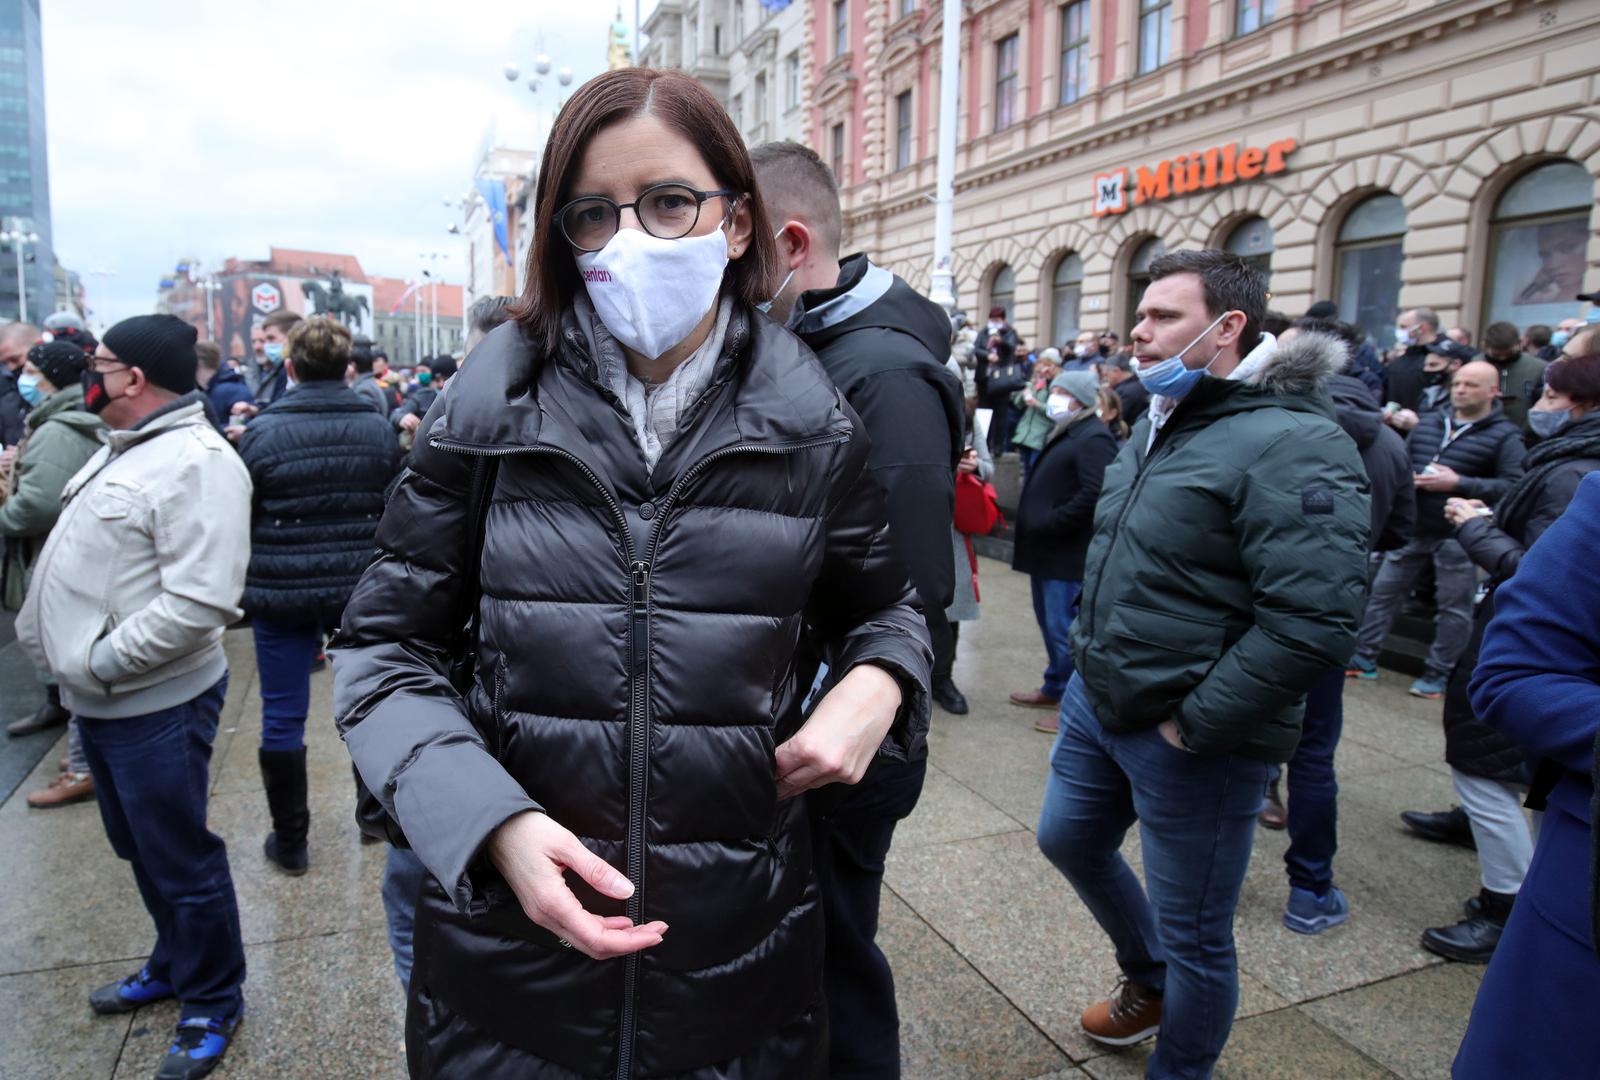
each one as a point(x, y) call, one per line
point(1382, 153)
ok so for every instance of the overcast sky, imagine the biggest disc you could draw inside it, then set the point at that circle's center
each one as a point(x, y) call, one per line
point(195, 129)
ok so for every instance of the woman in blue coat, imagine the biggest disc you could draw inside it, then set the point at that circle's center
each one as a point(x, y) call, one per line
point(1536, 681)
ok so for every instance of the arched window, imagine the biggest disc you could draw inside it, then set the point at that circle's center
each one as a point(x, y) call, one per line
point(1538, 246)
point(1252, 238)
point(1366, 264)
point(1003, 293)
point(1139, 279)
point(1066, 291)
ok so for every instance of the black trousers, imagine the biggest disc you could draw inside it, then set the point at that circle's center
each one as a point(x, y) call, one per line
point(945, 635)
point(851, 837)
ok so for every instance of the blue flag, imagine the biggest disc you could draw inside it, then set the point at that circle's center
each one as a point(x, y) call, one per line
point(494, 195)
point(774, 5)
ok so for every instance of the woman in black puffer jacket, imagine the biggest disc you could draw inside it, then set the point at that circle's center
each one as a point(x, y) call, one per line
point(620, 877)
point(319, 460)
point(1483, 760)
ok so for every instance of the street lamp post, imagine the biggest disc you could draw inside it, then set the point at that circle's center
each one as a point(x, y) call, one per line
point(943, 279)
point(17, 234)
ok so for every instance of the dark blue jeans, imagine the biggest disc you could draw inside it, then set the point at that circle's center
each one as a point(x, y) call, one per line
point(151, 778)
point(403, 875)
point(1053, 602)
point(851, 830)
point(1197, 819)
point(1313, 788)
point(284, 653)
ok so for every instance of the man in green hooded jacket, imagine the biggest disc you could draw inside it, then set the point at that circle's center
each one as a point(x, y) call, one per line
point(1225, 577)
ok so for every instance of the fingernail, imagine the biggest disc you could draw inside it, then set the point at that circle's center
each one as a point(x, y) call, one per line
point(625, 886)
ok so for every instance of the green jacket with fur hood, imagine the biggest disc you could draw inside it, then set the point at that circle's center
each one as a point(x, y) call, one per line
point(61, 439)
point(1228, 566)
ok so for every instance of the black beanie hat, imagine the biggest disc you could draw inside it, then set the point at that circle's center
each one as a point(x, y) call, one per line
point(59, 361)
point(161, 346)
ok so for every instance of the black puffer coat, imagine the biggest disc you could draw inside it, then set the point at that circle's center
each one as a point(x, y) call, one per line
point(1383, 455)
point(636, 669)
point(319, 460)
point(1555, 468)
point(1055, 514)
point(1487, 454)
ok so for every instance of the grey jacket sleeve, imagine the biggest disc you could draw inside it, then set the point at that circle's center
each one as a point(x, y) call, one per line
point(408, 730)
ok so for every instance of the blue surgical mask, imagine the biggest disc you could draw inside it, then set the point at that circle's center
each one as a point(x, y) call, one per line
point(28, 387)
point(1560, 338)
point(1546, 422)
point(1169, 377)
point(273, 351)
point(1402, 336)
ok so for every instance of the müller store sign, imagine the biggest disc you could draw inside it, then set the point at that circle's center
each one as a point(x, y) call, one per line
point(1186, 174)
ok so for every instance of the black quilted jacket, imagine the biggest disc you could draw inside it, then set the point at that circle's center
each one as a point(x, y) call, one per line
point(319, 460)
point(635, 672)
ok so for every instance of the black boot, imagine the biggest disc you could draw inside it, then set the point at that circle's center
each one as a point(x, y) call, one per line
point(1473, 939)
point(1447, 826)
point(950, 699)
point(283, 772)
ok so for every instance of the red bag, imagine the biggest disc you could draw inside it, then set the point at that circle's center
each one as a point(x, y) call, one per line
point(977, 506)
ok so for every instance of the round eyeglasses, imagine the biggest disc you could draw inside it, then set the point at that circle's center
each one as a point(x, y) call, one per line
point(665, 211)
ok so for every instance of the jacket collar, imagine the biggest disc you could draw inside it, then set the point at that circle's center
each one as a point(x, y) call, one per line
point(860, 285)
point(185, 411)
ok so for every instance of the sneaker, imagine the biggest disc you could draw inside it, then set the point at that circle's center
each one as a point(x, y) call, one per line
point(64, 790)
point(125, 996)
point(1308, 913)
point(1430, 687)
point(1050, 725)
point(1034, 699)
point(1131, 1014)
point(198, 1045)
point(1361, 669)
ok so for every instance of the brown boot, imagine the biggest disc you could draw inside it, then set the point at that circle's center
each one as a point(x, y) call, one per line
point(1048, 724)
point(64, 790)
point(1131, 1014)
point(1033, 699)
point(1273, 815)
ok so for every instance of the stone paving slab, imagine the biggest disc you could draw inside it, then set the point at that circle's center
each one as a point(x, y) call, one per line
point(995, 955)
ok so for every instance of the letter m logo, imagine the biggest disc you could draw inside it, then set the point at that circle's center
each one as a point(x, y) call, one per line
point(1111, 193)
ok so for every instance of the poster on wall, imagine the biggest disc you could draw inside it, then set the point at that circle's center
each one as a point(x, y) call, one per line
point(246, 299)
point(1538, 269)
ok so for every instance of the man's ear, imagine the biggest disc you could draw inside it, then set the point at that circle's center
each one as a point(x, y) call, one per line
point(795, 244)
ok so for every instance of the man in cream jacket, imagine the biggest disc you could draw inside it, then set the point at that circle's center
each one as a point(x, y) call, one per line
point(126, 610)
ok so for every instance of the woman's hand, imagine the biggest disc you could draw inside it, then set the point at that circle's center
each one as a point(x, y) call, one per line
point(530, 850)
point(845, 730)
point(1460, 511)
point(969, 461)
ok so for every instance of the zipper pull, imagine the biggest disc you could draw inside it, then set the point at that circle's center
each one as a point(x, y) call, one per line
point(641, 582)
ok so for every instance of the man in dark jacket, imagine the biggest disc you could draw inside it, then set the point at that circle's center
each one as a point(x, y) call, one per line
point(1521, 374)
point(320, 460)
point(1055, 517)
point(1469, 450)
point(884, 347)
point(1315, 903)
point(224, 387)
point(16, 338)
point(994, 351)
point(1224, 578)
point(1403, 380)
point(370, 368)
point(1118, 373)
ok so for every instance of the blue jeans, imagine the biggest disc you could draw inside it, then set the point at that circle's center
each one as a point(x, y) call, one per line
point(1197, 819)
point(284, 653)
point(1053, 602)
point(1313, 788)
point(151, 776)
point(403, 875)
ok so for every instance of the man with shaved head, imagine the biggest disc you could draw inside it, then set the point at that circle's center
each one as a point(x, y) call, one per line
point(16, 338)
point(1469, 450)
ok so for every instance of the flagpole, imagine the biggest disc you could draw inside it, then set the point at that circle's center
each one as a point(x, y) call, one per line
point(943, 290)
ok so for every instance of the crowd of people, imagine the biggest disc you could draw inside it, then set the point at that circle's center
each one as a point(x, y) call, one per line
point(637, 615)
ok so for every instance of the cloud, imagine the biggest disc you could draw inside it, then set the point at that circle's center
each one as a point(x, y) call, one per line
point(203, 130)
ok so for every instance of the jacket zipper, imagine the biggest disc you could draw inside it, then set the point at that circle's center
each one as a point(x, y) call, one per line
point(639, 571)
point(1087, 611)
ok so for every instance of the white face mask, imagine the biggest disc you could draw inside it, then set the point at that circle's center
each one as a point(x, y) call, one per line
point(652, 293)
point(766, 307)
point(1058, 407)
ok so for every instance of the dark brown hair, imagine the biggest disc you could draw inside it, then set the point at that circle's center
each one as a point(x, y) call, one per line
point(1228, 282)
point(686, 107)
point(283, 320)
point(209, 353)
point(1578, 377)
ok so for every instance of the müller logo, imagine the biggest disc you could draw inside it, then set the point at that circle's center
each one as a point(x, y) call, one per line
point(1186, 174)
point(598, 275)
